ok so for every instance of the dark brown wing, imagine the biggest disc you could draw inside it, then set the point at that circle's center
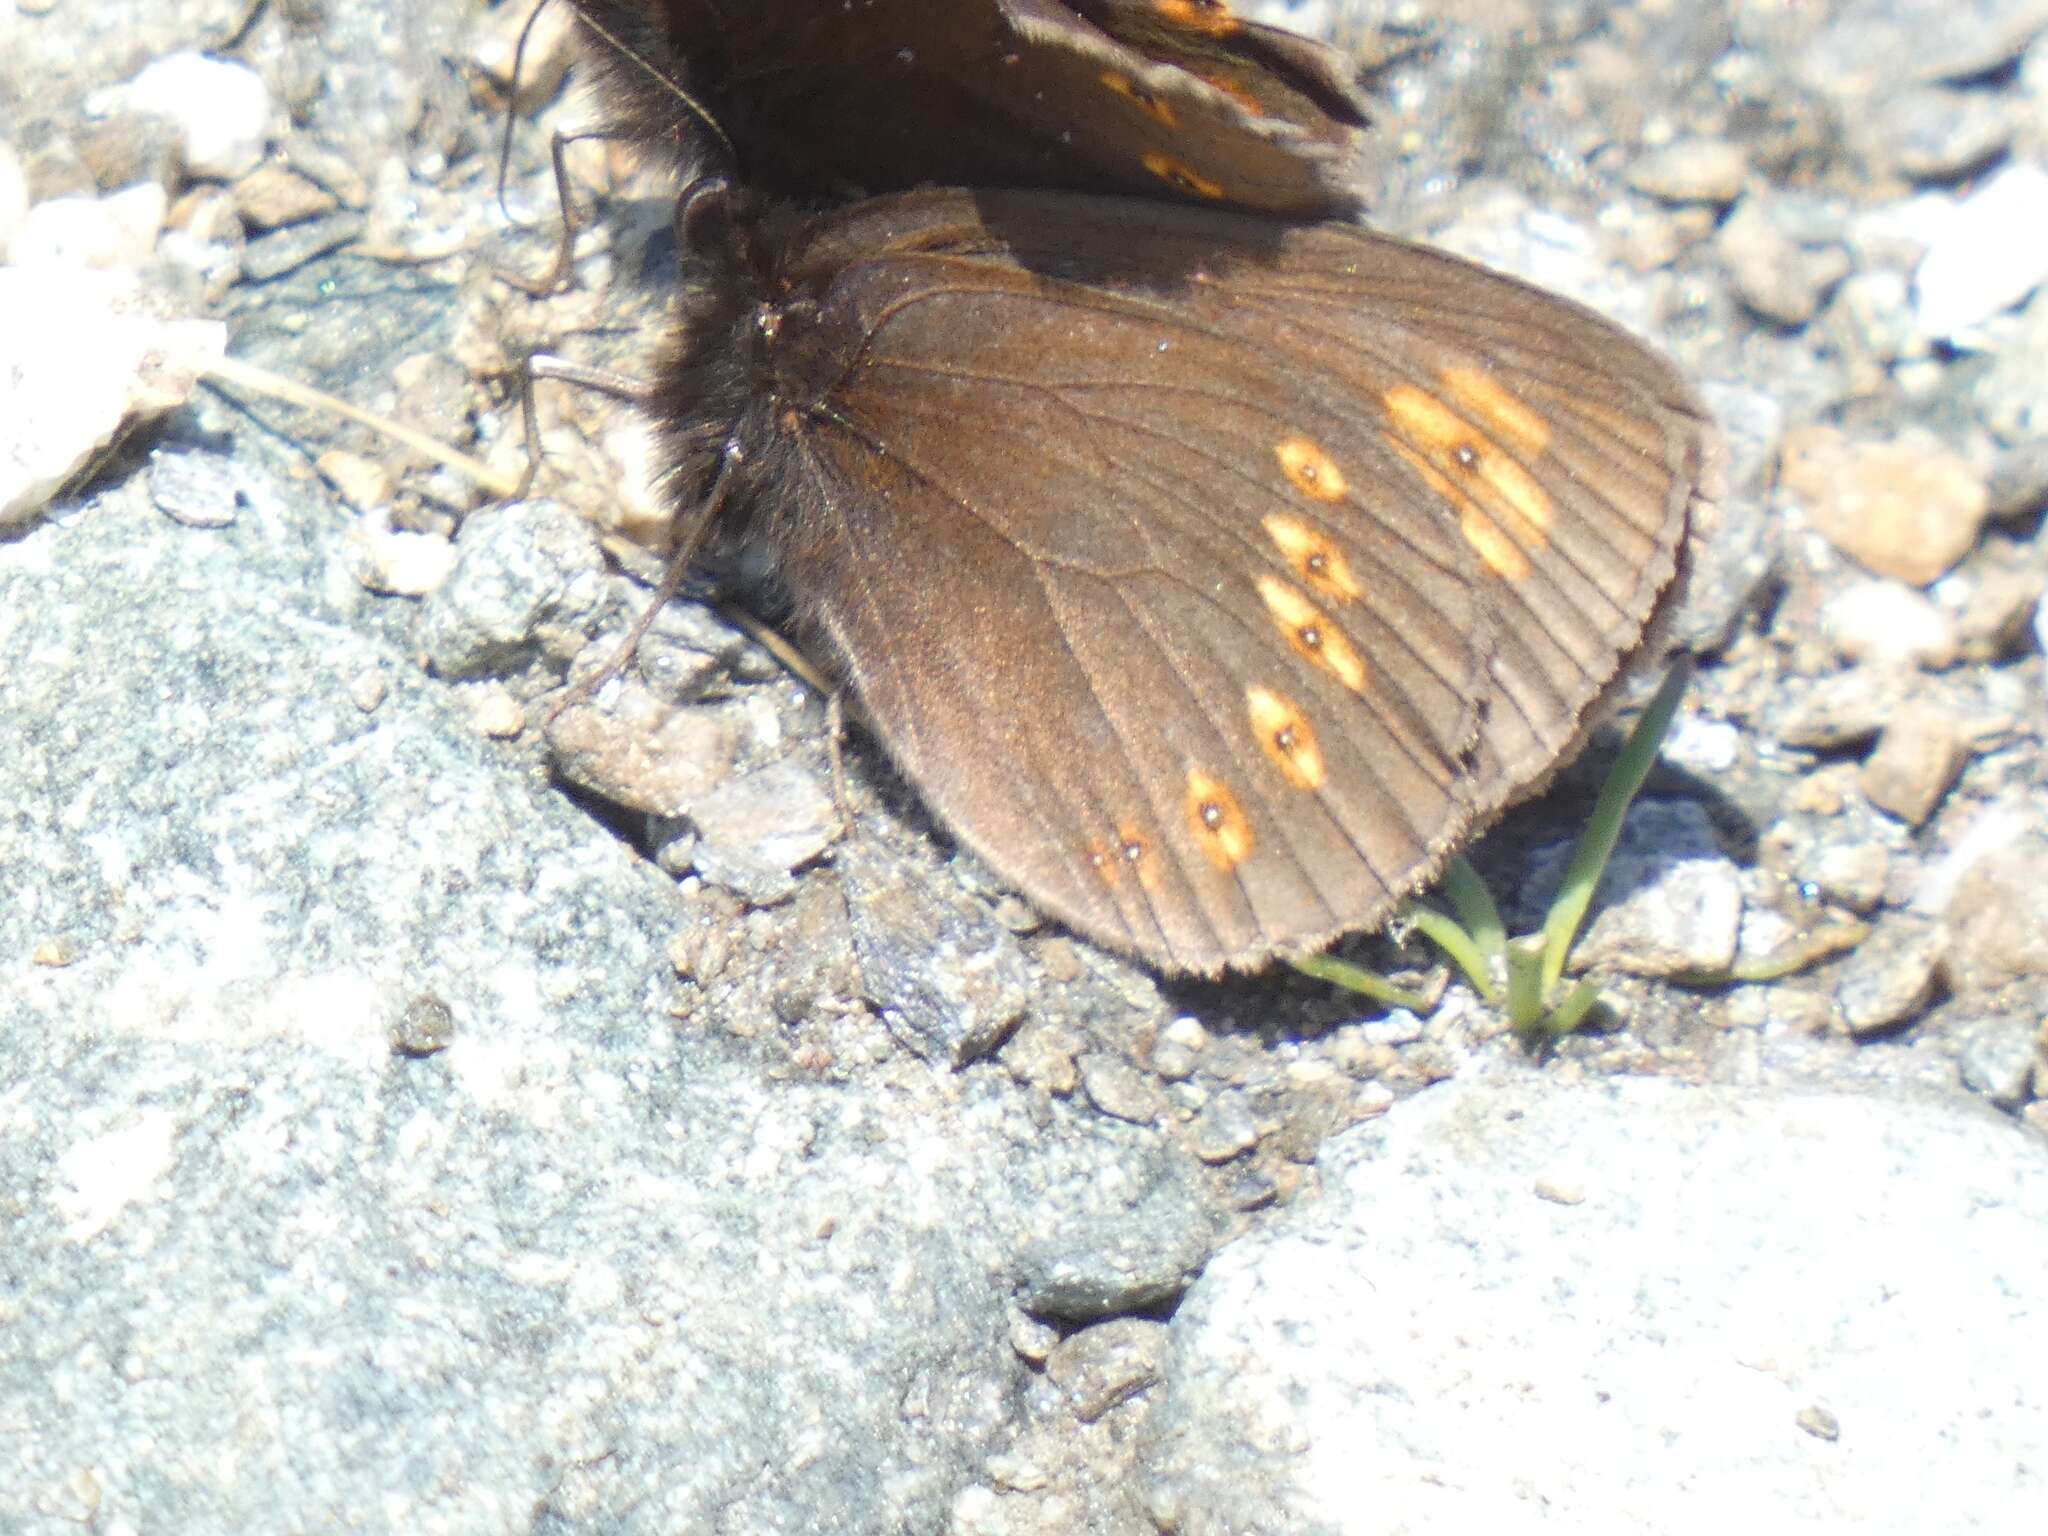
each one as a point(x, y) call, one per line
point(1175, 100)
point(1211, 577)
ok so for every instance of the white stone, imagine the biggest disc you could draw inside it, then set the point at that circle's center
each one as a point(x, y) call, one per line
point(1890, 624)
point(1435, 1344)
point(1988, 255)
point(111, 233)
point(82, 358)
point(221, 110)
point(13, 197)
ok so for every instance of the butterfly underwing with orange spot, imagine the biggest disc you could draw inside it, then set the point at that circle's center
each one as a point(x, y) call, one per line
point(1211, 574)
point(825, 98)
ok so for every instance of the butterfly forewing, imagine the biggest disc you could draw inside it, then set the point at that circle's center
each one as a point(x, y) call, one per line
point(1156, 100)
point(1188, 563)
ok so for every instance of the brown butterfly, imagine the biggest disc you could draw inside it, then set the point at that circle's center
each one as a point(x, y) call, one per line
point(1211, 574)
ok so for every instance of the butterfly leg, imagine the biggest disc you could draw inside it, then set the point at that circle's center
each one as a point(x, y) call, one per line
point(688, 541)
point(563, 267)
point(542, 365)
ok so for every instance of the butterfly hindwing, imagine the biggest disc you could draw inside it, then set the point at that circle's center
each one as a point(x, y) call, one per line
point(1187, 562)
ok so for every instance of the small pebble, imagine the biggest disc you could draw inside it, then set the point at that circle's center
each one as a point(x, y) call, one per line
point(1680, 911)
point(1890, 625)
point(1107, 1364)
point(1996, 913)
point(1890, 978)
point(1175, 1063)
point(396, 561)
point(756, 829)
point(1692, 171)
point(1117, 1088)
point(1060, 961)
point(365, 484)
point(1906, 507)
point(112, 233)
point(1224, 1128)
point(1836, 711)
point(2018, 484)
point(1852, 875)
point(272, 196)
point(1775, 274)
point(1994, 1056)
point(1818, 1422)
point(425, 1026)
point(221, 110)
point(497, 714)
point(193, 487)
point(368, 689)
point(1917, 757)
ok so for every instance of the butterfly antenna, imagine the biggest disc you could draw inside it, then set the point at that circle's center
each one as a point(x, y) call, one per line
point(518, 69)
point(662, 78)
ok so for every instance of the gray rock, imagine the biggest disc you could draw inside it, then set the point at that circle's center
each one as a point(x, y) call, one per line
point(1932, 133)
point(1735, 559)
point(220, 108)
point(1890, 978)
point(286, 250)
point(1223, 1128)
point(1870, 46)
point(87, 356)
point(196, 489)
point(1438, 1344)
point(2018, 484)
point(1995, 1053)
point(568, 1257)
point(1835, 711)
point(947, 979)
point(1890, 624)
point(1997, 914)
point(1102, 1366)
point(1102, 1236)
point(756, 829)
point(2013, 392)
point(528, 581)
point(1117, 1088)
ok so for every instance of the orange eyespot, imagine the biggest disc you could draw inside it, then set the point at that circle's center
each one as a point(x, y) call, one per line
point(1312, 553)
point(1502, 512)
point(1310, 634)
point(1147, 101)
point(1181, 177)
point(1211, 18)
point(1286, 737)
point(1309, 470)
point(1218, 822)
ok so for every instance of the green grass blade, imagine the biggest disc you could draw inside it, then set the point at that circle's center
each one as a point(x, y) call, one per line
point(1525, 982)
point(1458, 946)
point(1355, 978)
point(1603, 827)
point(1476, 910)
